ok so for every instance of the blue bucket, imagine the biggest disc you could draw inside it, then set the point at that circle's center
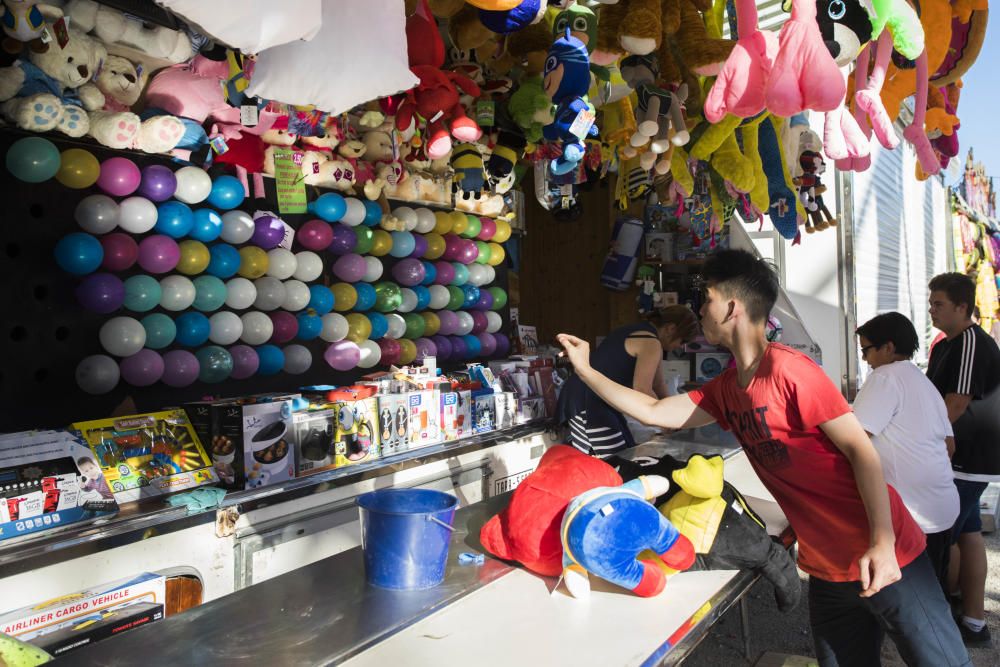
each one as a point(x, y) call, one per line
point(405, 535)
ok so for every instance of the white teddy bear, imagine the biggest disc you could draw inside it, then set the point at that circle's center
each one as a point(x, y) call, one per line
point(111, 26)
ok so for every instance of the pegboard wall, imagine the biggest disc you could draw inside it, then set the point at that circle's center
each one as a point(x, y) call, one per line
point(44, 332)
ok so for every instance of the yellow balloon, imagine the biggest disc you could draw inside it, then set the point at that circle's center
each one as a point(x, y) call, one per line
point(381, 243)
point(459, 222)
point(503, 231)
point(253, 262)
point(194, 257)
point(407, 351)
point(359, 327)
point(78, 169)
point(444, 222)
point(344, 298)
point(435, 245)
point(497, 254)
point(432, 323)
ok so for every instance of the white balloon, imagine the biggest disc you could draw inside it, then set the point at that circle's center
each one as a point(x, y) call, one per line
point(493, 322)
point(465, 323)
point(371, 354)
point(397, 326)
point(98, 373)
point(97, 214)
point(226, 328)
point(335, 328)
point(308, 266)
point(240, 293)
point(257, 328)
point(296, 295)
point(193, 185)
point(409, 302)
point(373, 269)
point(281, 263)
point(270, 293)
point(439, 296)
point(491, 274)
point(237, 226)
point(355, 213)
point(298, 359)
point(425, 220)
point(122, 336)
point(137, 215)
point(408, 216)
point(178, 293)
point(477, 274)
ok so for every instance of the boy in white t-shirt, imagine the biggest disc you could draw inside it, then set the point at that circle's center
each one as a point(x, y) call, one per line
point(908, 423)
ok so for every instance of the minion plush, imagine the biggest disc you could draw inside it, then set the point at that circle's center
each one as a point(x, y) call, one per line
point(469, 178)
point(566, 81)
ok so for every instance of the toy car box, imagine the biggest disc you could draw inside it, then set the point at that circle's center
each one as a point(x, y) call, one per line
point(98, 626)
point(49, 480)
point(394, 423)
point(147, 455)
point(456, 414)
point(313, 433)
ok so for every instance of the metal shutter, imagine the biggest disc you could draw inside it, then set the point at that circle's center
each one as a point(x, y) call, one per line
point(770, 16)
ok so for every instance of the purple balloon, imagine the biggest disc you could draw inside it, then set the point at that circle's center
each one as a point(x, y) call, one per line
point(350, 268)
point(143, 368)
point(119, 177)
point(452, 242)
point(419, 245)
point(408, 272)
point(479, 322)
point(245, 361)
point(344, 239)
point(102, 293)
point(285, 326)
point(489, 343)
point(443, 346)
point(158, 183)
point(120, 251)
point(449, 322)
point(485, 301)
point(459, 350)
point(268, 232)
point(503, 345)
point(445, 273)
point(180, 368)
point(158, 253)
point(425, 348)
point(343, 356)
point(468, 251)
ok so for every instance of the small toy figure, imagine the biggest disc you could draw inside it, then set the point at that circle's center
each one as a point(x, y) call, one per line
point(23, 23)
point(566, 81)
point(649, 299)
point(469, 177)
point(811, 191)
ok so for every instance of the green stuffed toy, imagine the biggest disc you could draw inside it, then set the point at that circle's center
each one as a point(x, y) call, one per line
point(531, 108)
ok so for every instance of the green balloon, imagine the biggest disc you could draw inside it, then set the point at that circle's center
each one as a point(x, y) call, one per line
point(499, 297)
point(388, 297)
point(210, 293)
point(160, 331)
point(142, 293)
point(33, 159)
point(366, 239)
point(484, 253)
point(216, 364)
point(415, 326)
point(456, 297)
point(475, 226)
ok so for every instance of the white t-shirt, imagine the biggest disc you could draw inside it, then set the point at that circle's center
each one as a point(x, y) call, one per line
point(908, 421)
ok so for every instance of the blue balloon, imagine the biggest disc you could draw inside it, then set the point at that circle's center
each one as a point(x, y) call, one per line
point(320, 299)
point(471, 295)
point(402, 244)
point(143, 293)
point(271, 358)
point(79, 253)
point(207, 225)
point(473, 348)
point(224, 262)
point(423, 297)
point(366, 296)
point(461, 274)
point(210, 293)
point(329, 206)
point(373, 213)
point(380, 326)
point(160, 330)
point(192, 329)
point(215, 363)
point(430, 273)
point(310, 326)
point(174, 219)
point(227, 193)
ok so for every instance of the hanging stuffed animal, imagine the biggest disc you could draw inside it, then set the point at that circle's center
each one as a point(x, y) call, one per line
point(659, 110)
point(506, 153)
point(23, 24)
point(469, 178)
point(566, 81)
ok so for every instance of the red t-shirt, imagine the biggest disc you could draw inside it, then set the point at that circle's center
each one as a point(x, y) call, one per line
point(776, 419)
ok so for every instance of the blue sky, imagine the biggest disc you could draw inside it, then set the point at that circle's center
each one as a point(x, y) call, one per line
point(979, 106)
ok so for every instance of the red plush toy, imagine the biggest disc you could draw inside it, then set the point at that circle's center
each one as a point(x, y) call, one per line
point(436, 97)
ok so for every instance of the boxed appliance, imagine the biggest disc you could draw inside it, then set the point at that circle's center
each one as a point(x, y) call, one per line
point(709, 365)
point(530, 409)
point(394, 423)
point(425, 418)
point(100, 625)
point(250, 440)
point(456, 414)
point(313, 433)
point(355, 434)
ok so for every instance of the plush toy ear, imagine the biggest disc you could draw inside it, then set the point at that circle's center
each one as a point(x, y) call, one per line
point(701, 478)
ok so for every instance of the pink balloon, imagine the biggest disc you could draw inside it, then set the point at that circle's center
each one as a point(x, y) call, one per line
point(479, 322)
point(445, 273)
point(285, 326)
point(452, 243)
point(245, 361)
point(390, 351)
point(343, 355)
point(143, 368)
point(467, 252)
point(120, 251)
point(119, 177)
point(488, 229)
point(489, 343)
point(449, 322)
point(315, 235)
point(350, 268)
point(180, 368)
point(158, 253)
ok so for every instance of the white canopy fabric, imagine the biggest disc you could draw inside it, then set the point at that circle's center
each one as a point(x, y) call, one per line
point(253, 25)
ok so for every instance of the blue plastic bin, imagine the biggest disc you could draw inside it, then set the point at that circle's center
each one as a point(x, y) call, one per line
point(405, 535)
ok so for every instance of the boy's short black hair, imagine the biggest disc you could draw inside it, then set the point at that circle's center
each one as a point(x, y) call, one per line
point(742, 275)
point(960, 288)
point(891, 327)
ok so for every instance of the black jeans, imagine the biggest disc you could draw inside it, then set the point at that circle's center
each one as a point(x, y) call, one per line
point(847, 629)
point(939, 553)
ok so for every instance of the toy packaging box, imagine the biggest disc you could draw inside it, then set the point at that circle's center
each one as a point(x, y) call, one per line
point(425, 415)
point(530, 409)
point(32, 622)
point(313, 434)
point(100, 625)
point(49, 480)
point(394, 423)
point(506, 409)
point(456, 414)
point(355, 436)
point(147, 455)
point(484, 410)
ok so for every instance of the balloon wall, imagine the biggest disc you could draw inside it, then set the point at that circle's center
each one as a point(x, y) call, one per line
point(137, 278)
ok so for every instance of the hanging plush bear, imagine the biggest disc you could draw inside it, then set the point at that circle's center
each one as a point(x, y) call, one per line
point(566, 81)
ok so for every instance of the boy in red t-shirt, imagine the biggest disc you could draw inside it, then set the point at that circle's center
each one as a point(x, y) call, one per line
point(809, 450)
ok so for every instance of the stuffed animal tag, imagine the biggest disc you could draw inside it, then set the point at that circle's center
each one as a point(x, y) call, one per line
point(61, 28)
point(248, 115)
point(737, 507)
point(219, 144)
point(607, 510)
point(582, 123)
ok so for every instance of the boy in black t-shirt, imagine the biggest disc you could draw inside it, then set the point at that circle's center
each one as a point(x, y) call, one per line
point(965, 368)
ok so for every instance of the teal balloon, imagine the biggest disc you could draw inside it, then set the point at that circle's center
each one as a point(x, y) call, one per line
point(207, 225)
point(33, 159)
point(160, 330)
point(227, 193)
point(461, 274)
point(210, 293)
point(415, 326)
point(456, 298)
point(388, 297)
point(142, 294)
point(216, 363)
